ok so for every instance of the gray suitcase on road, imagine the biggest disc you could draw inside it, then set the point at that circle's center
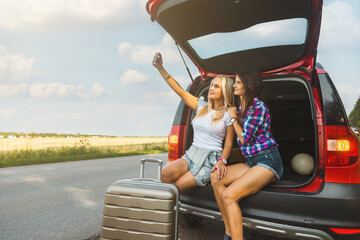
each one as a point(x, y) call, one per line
point(141, 208)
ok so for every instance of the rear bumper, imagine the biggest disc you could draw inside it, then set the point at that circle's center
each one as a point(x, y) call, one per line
point(289, 214)
point(270, 228)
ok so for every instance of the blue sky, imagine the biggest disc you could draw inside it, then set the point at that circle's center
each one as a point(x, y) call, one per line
point(85, 66)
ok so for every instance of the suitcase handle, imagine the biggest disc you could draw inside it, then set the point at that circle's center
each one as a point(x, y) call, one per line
point(153, 160)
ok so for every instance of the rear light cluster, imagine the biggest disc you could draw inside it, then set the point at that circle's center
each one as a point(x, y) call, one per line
point(176, 142)
point(341, 145)
point(342, 155)
point(345, 230)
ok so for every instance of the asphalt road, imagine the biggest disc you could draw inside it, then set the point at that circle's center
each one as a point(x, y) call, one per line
point(60, 200)
point(65, 200)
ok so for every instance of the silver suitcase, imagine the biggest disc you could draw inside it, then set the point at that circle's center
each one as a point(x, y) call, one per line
point(141, 208)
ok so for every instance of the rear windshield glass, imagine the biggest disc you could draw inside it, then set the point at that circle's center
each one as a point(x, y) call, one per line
point(275, 33)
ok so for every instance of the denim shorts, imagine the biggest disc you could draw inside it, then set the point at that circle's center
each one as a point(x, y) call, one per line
point(268, 158)
point(200, 162)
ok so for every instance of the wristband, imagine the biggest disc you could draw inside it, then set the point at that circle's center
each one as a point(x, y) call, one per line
point(223, 160)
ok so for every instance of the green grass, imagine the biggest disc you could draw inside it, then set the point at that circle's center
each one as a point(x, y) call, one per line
point(78, 152)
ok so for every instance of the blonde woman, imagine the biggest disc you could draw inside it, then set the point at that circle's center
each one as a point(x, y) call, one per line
point(211, 126)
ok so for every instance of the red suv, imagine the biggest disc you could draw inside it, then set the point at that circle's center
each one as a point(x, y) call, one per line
point(279, 38)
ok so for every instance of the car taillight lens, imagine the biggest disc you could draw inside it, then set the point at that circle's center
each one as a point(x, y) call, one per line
point(345, 230)
point(175, 142)
point(341, 146)
point(338, 145)
point(342, 163)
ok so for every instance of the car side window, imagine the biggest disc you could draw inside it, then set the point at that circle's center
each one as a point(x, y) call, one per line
point(334, 112)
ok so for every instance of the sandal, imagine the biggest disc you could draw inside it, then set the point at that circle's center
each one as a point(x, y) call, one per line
point(227, 237)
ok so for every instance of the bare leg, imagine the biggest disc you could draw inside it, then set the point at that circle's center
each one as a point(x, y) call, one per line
point(219, 186)
point(186, 182)
point(173, 171)
point(252, 181)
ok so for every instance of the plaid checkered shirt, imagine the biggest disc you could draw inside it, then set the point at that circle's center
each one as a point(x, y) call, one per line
point(256, 129)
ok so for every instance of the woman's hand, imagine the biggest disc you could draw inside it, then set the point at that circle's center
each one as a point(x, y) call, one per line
point(232, 112)
point(221, 169)
point(157, 61)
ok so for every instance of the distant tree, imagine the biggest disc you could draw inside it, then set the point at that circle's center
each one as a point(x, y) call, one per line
point(354, 117)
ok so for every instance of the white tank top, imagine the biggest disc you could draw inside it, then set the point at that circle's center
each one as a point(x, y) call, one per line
point(207, 135)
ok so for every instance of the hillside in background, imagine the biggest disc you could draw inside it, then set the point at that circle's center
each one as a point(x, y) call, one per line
point(33, 134)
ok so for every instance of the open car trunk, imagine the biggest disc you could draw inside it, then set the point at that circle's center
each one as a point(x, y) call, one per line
point(293, 124)
point(228, 36)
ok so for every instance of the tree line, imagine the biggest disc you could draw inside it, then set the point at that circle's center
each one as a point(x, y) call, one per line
point(59, 135)
point(354, 117)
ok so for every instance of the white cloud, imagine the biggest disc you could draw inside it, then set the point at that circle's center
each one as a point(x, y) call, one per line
point(51, 90)
point(70, 14)
point(183, 81)
point(144, 54)
point(163, 97)
point(133, 76)
point(12, 90)
point(124, 48)
point(59, 90)
point(340, 26)
point(14, 67)
point(96, 91)
point(7, 112)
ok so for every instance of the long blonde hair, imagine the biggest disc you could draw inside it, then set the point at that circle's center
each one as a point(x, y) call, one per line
point(229, 99)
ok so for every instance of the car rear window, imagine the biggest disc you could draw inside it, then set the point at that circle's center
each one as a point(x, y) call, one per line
point(268, 34)
point(180, 118)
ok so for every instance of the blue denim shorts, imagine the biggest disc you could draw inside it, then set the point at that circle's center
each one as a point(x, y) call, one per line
point(200, 162)
point(268, 158)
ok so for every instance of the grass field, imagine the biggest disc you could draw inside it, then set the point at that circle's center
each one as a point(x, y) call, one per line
point(27, 151)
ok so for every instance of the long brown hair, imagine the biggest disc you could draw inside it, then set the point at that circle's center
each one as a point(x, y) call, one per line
point(252, 83)
point(228, 94)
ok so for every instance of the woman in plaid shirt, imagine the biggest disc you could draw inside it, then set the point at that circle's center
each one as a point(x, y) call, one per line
point(263, 165)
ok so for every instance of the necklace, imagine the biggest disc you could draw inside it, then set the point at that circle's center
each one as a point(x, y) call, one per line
point(218, 108)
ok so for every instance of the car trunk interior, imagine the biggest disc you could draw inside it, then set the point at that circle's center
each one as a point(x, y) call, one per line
point(292, 124)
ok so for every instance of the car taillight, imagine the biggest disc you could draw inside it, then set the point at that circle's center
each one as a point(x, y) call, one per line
point(176, 142)
point(341, 146)
point(342, 155)
point(345, 230)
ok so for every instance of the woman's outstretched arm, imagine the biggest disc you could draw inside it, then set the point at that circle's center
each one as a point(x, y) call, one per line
point(187, 97)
